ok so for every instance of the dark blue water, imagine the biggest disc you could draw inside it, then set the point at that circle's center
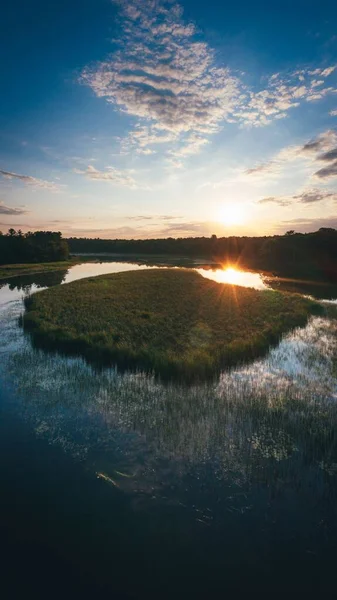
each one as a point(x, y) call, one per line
point(117, 486)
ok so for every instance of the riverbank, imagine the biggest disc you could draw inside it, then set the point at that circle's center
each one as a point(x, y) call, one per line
point(173, 322)
point(9, 271)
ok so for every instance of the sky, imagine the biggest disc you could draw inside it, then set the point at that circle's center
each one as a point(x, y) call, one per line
point(157, 118)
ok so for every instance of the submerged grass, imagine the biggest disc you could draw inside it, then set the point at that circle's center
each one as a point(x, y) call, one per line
point(173, 322)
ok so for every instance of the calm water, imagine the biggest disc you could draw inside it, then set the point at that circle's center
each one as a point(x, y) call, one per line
point(117, 486)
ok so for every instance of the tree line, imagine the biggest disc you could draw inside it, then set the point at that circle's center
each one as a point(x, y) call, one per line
point(32, 247)
point(310, 254)
point(298, 254)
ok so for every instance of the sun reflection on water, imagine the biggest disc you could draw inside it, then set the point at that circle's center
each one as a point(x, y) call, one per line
point(234, 276)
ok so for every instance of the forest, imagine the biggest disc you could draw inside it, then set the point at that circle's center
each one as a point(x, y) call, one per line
point(307, 255)
point(298, 254)
point(32, 247)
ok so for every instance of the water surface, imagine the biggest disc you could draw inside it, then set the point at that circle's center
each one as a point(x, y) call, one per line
point(131, 488)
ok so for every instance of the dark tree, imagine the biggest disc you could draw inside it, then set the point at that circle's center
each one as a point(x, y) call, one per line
point(40, 246)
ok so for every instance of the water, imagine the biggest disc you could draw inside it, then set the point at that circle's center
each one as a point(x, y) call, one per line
point(120, 486)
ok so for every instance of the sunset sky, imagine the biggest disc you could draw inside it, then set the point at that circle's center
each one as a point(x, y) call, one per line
point(151, 118)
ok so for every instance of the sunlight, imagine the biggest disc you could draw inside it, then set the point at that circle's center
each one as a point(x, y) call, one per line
point(232, 214)
point(231, 275)
point(234, 276)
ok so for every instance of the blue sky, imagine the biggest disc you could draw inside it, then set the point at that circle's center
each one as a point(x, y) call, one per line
point(154, 118)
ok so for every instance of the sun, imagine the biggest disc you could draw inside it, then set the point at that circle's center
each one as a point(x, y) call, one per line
point(231, 214)
point(231, 276)
point(228, 275)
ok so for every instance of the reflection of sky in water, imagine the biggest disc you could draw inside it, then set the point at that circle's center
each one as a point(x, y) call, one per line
point(227, 275)
point(104, 268)
point(175, 444)
point(243, 469)
point(143, 436)
point(304, 361)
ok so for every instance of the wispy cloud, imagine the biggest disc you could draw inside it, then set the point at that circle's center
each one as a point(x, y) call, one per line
point(9, 210)
point(308, 196)
point(281, 93)
point(305, 224)
point(184, 229)
point(110, 175)
point(162, 74)
point(31, 181)
point(328, 156)
point(155, 218)
point(322, 143)
point(323, 148)
point(273, 166)
point(327, 172)
point(268, 168)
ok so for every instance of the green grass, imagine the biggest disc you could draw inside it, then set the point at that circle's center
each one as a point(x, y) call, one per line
point(174, 322)
point(7, 271)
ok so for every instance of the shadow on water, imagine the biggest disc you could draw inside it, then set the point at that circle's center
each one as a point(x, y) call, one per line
point(25, 283)
point(322, 290)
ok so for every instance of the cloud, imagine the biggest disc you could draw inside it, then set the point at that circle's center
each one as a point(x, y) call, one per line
point(323, 142)
point(32, 181)
point(303, 225)
point(274, 166)
point(308, 196)
point(327, 172)
point(328, 71)
point(315, 195)
point(323, 148)
point(153, 218)
point(184, 229)
point(141, 232)
point(281, 93)
point(163, 75)
point(305, 156)
point(189, 146)
point(8, 210)
point(268, 167)
point(110, 175)
point(333, 113)
point(274, 200)
point(328, 156)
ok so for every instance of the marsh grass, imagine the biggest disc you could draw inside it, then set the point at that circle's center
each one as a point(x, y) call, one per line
point(172, 322)
point(7, 271)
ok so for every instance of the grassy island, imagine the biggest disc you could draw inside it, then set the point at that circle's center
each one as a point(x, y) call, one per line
point(173, 322)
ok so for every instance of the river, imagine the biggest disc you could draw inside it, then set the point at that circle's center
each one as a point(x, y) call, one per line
point(119, 486)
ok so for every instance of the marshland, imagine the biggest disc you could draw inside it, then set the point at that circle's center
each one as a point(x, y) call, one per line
point(149, 473)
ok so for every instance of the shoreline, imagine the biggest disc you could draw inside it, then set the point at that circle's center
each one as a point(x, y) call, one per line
point(176, 324)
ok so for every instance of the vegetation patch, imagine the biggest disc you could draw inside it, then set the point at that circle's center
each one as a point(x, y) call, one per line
point(7, 271)
point(170, 321)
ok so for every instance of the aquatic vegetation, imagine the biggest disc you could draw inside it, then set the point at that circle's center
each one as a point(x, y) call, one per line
point(248, 460)
point(278, 413)
point(173, 322)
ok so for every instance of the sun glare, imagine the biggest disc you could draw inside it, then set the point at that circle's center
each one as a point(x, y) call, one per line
point(232, 214)
point(231, 275)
